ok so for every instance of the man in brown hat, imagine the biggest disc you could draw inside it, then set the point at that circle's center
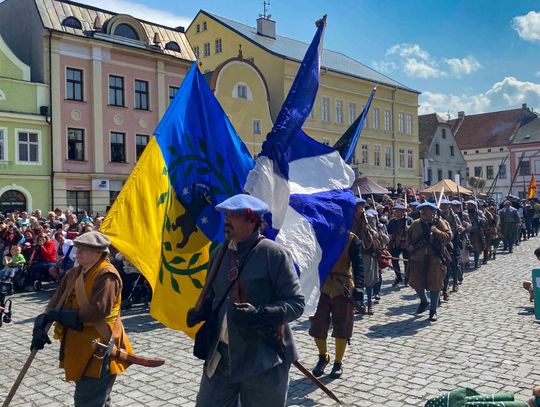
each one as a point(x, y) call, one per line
point(86, 306)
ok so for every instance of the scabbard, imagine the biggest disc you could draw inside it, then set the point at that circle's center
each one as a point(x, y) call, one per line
point(121, 354)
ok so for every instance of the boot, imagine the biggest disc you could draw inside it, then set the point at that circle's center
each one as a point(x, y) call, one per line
point(445, 296)
point(485, 260)
point(318, 371)
point(455, 288)
point(337, 370)
point(369, 310)
point(422, 307)
point(433, 316)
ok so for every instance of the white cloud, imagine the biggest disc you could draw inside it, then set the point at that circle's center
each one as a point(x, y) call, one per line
point(464, 66)
point(408, 50)
point(509, 93)
point(528, 26)
point(421, 69)
point(141, 11)
point(385, 66)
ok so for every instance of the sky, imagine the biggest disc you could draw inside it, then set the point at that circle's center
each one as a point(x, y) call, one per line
point(470, 55)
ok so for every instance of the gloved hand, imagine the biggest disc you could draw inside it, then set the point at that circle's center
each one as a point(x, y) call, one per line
point(39, 334)
point(246, 314)
point(67, 317)
point(194, 316)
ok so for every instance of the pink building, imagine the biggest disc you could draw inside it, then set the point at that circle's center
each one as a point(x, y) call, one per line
point(111, 79)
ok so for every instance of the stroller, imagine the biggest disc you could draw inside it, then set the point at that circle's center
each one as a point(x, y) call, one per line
point(5, 304)
point(135, 288)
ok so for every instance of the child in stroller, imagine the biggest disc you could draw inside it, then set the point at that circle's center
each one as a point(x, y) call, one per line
point(14, 263)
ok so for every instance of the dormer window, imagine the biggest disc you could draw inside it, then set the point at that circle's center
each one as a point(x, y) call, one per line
point(127, 31)
point(72, 22)
point(172, 46)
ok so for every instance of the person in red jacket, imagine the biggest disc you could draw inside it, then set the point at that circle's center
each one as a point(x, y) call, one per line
point(43, 258)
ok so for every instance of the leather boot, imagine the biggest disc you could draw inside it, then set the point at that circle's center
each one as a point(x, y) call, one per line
point(445, 296)
point(318, 371)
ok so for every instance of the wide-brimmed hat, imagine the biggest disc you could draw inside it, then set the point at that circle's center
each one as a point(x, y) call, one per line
point(93, 240)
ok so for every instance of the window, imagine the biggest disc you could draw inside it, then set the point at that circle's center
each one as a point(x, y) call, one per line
point(388, 157)
point(450, 174)
point(312, 113)
point(366, 120)
point(126, 31)
point(376, 114)
point(502, 171)
point(444, 133)
point(325, 109)
point(28, 147)
point(242, 91)
point(477, 171)
point(218, 45)
point(198, 28)
point(437, 149)
point(326, 141)
point(172, 93)
point(429, 175)
point(524, 168)
point(12, 200)
point(467, 172)
point(75, 144)
point(118, 147)
point(365, 154)
point(401, 158)
point(74, 84)
point(3, 145)
point(141, 140)
point(173, 46)
point(409, 127)
point(410, 158)
point(141, 95)
point(257, 127)
point(339, 111)
point(116, 91)
point(387, 121)
point(196, 52)
point(439, 175)
point(206, 49)
point(452, 152)
point(72, 22)
point(401, 122)
point(79, 201)
point(377, 156)
point(352, 113)
point(204, 26)
point(489, 171)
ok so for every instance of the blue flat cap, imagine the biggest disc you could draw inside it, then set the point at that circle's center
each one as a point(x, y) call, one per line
point(360, 201)
point(414, 203)
point(445, 201)
point(241, 203)
point(472, 202)
point(455, 202)
point(427, 205)
point(372, 212)
point(399, 206)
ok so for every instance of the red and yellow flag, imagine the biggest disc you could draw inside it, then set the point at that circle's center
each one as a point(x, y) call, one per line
point(532, 187)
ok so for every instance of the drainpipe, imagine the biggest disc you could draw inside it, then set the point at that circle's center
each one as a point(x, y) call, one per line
point(50, 121)
point(394, 136)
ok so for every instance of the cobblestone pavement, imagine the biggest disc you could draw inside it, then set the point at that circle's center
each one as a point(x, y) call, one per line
point(486, 338)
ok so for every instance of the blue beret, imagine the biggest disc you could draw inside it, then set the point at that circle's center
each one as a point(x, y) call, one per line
point(372, 212)
point(414, 203)
point(445, 201)
point(241, 203)
point(360, 201)
point(427, 205)
point(455, 202)
point(399, 206)
point(472, 202)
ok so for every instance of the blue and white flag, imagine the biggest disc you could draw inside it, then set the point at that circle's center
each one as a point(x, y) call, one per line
point(305, 183)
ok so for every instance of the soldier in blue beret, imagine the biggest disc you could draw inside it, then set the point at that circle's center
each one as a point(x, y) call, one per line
point(250, 345)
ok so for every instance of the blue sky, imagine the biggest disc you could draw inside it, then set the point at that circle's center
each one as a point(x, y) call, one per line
point(471, 55)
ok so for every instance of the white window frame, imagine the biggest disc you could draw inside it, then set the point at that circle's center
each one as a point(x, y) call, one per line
point(40, 158)
point(366, 120)
point(364, 156)
point(218, 46)
point(197, 52)
point(410, 158)
point(387, 120)
point(352, 113)
point(206, 49)
point(312, 113)
point(409, 123)
point(259, 122)
point(388, 157)
point(401, 122)
point(339, 111)
point(4, 132)
point(236, 93)
point(377, 155)
point(376, 117)
point(402, 158)
point(325, 109)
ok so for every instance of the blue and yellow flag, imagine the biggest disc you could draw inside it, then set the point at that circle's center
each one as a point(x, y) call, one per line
point(164, 221)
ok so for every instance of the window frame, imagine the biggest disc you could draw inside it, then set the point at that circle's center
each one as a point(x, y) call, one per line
point(364, 155)
point(523, 166)
point(137, 156)
point(503, 174)
point(197, 52)
point(206, 49)
point(74, 84)
point(4, 141)
point(352, 112)
point(218, 46)
point(175, 92)
point(116, 89)
point(478, 173)
point(452, 151)
point(111, 147)
point(376, 117)
point(325, 107)
point(439, 174)
point(83, 142)
point(410, 158)
point(408, 123)
point(401, 122)
point(254, 127)
point(402, 157)
point(388, 156)
point(443, 133)
point(141, 93)
point(339, 112)
point(38, 143)
point(377, 155)
point(387, 120)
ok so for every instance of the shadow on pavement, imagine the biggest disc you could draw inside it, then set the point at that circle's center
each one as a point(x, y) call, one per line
point(307, 386)
point(408, 327)
point(402, 309)
point(140, 321)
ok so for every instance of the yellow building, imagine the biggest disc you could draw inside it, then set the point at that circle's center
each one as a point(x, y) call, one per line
point(388, 151)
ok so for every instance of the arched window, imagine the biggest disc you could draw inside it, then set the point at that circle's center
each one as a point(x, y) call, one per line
point(172, 46)
point(127, 31)
point(12, 200)
point(72, 22)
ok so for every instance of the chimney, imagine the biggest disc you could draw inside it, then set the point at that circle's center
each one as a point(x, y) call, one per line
point(524, 106)
point(266, 27)
point(157, 39)
point(461, 114)
point(97, 23)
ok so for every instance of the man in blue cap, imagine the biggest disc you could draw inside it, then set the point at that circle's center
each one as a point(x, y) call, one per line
point(426, 239)
point(397, 245)
point(457, 229)
point(413, 207)
point(508, 219)
point(254, 295)
point(476, 231)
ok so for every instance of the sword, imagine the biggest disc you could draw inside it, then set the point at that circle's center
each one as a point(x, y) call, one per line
point(114, 352)
point(319, 384)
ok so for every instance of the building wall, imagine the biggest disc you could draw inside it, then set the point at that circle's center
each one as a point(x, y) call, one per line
point(530, 153)
point(493, 156)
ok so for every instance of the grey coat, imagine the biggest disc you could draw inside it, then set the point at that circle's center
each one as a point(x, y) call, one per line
point(268, 279)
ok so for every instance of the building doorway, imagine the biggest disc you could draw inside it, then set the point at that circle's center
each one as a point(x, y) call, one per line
point(12, 201)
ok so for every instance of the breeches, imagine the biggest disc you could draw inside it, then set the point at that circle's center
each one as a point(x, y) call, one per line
point(339, 311)
point(91, 392)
